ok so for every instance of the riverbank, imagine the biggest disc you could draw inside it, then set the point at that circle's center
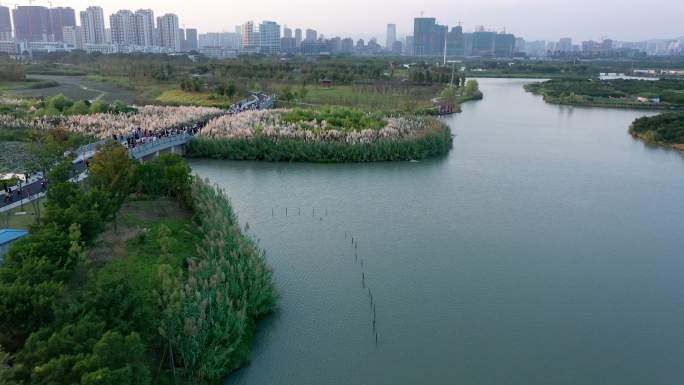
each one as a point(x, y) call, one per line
point(664, 129)
point(333, 135)
point(157, 285)
point(615, 93)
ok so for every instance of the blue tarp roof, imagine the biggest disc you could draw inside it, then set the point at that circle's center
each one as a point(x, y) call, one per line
point(10, 235)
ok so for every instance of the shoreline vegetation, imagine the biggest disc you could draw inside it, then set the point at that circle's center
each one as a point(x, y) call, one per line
point(141, 275)
point(664, 130)
point(327, 135)
point(617, 93)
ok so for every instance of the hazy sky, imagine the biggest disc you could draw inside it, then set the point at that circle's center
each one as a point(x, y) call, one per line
point(532, 19)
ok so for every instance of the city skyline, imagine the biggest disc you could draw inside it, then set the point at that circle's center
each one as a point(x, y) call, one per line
point(124, 31)
point(531, 19)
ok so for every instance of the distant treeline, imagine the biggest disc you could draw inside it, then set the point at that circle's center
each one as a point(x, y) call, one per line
point(575, 91)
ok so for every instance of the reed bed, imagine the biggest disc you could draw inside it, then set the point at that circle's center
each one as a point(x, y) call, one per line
point(105, 125)
point(210, 312)
point(264, 135)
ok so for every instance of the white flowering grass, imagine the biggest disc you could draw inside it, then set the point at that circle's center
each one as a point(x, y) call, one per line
point(269, 123)
point(105, 125)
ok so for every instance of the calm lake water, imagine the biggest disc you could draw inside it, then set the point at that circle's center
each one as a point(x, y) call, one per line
point(547, 248)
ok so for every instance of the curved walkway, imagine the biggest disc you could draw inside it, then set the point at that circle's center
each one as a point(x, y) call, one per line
point(142, 147)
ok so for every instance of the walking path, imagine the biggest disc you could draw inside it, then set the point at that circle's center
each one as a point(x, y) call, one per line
point(140, 143)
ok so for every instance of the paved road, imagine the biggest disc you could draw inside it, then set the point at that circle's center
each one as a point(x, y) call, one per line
point(19, 193)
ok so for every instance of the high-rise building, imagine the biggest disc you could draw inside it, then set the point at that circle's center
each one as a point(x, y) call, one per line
point(5, 24)
point(535, 48)
point(347, 46)
point(504, 45)
point(391, 36)
point(564, 45)
point(169, 35)
point(93, 25)
point(183, 42)
point(250, 37)
point(408, 46)
point(483, 43)
point(360, 46)
point(455, 42)
point(144, 27)
point(210, 39)
point(311, 35)
point(191, 41)
point(124, 28)
point(287, 32)
point(61, 17)
point(31, 23)
point(428, 37)
point(73, 36)
point(269, 35)
point(397, 47)
point(298, 37)
point(288, 46)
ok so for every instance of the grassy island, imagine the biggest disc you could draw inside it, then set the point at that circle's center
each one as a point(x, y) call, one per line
point(140, 276)
point(327, 135)
point(620, 93)
point(665, 129)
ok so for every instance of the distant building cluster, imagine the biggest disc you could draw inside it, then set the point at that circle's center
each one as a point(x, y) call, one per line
point(268, 38)
point(605, 48)
point(32, 29)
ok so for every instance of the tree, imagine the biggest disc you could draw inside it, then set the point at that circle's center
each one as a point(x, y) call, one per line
point(47, 149)
point(231, 89)
point(116, 360)
point(99, 107)
point(303, 91)
point(112, 171)
point(472, 87)
point(286, 94)
point(81, 107)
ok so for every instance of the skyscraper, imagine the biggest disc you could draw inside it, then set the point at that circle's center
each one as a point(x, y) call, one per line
point(168, 32)
point(504, 45)
point(311, 35)
point(287, 32)
point(5, 24)
point(123, 25)
point(455, 42)
point(31, 23)
point(250, 37)
point(144, 27)
point(428, 37)
point(483, 43)
point(73, 36)
point(298, 37)
point(61, 17)
point(391, 36)
point(92, 23)
point(269, 35)
point(564, 45)
point(191, 41)
point(181, 36)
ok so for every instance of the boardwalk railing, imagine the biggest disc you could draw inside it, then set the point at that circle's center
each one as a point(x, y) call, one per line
point(160, 144)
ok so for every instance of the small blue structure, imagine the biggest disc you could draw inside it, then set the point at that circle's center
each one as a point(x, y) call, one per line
point(7, 236)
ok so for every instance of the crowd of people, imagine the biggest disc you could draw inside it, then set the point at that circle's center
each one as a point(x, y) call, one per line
point(260, 102)
point(25, 191)
point(140, 136)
